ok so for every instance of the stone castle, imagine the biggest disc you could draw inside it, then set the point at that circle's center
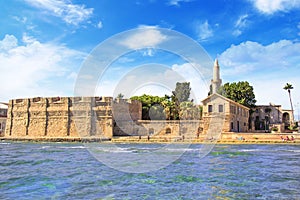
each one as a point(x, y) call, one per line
point(105, 117)
point(86, 117)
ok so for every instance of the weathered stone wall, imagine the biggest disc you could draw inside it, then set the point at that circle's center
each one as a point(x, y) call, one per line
point(170, 128)
point(65, 116)
point(3, 116)
point(235, 115)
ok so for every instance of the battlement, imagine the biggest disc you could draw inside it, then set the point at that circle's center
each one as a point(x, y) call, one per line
point(67, 116)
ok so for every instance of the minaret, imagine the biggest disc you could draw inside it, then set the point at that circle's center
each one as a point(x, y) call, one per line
point(216, 81)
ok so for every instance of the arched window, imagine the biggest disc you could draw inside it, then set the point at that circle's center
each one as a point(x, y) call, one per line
point(168, 131)
point(200, 129)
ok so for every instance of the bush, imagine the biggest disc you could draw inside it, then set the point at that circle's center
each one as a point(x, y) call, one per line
point(292, 128)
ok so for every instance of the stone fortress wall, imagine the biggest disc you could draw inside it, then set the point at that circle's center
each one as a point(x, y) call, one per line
point(88, 117)
point(66, 116)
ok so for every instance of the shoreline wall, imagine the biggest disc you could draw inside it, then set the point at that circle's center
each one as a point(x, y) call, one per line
point(65, 117)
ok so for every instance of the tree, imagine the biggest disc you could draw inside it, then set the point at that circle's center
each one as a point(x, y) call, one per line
point(120, 96)
point(189, 111)
point(169, 107)
point(150, 106)
point(181, 94)
point(289, 87)
point(182, 91)
point(241, 92)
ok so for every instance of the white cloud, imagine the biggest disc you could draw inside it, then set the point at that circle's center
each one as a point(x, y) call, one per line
point(28, 39)
point(35, 68)
point(70, 13)
point(177, 2)
point(237, 32)
point(100, 25)
point(240, 24)
point(199, 86)
point(272, 6)
point(267, 67)
point(242, 21)
point(9, 42)
point(204, 30)
point(20, 19)
point(148, 52)
point(146, 37)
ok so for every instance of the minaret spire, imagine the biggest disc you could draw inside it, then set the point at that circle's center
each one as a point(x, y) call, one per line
point(216, 81)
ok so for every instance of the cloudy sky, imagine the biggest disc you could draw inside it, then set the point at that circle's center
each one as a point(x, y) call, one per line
point(43, 43)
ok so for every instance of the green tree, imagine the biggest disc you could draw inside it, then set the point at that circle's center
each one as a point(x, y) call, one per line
point(169, 107)
point(241, 92)
point(181, 94)
point(289, 87)
point(182, 91)
point(189, 111)
point(120, 96)
point(150, 106)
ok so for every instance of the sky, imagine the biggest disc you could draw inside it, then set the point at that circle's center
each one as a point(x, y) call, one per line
point(44, 45)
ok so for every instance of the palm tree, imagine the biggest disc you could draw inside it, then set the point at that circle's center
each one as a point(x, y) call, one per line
point(289, 87)
point(120, 96)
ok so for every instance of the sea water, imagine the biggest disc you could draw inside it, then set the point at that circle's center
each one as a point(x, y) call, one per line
point(69, 171)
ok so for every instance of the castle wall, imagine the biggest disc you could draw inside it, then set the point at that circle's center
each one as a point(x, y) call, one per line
point(3, 117)
point(36, 116)
point(160, 128)
point(60, 117)
point(57, 117)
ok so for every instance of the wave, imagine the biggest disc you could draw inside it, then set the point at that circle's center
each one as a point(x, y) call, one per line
point(5, 143)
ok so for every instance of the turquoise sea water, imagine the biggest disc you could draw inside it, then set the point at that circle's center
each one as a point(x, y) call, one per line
point(69, 171)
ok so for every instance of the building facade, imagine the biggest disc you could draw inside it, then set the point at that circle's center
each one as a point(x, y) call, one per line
point(265, 117)
point(235, 115)
point(3, 116)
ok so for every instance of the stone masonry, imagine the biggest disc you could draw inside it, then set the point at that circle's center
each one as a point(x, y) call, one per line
point(65, 117)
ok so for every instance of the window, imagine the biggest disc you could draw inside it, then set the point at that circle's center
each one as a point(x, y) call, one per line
point(221, 108)
point(231, 125)
point(0, 126)
point(168, 131)
point(210, 108)
point(232, 109)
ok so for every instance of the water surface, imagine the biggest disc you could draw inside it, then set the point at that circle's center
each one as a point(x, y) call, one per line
point(69, 171)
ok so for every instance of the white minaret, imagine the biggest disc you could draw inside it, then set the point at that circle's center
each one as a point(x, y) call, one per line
point(216, 82)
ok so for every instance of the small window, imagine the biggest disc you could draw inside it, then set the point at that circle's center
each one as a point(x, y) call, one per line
point(231, 125)
point(36, 99)
point(0, 126)
point(168, 131)
point(221, 108)
point(210, 108)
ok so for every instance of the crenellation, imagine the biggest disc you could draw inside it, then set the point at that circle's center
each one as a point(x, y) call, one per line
point(60, 117)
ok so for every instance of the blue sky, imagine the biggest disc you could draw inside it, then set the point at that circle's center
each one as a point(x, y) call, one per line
point(44, 42)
